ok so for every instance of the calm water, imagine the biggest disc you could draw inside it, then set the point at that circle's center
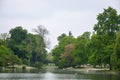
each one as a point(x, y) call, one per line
point(59, 75)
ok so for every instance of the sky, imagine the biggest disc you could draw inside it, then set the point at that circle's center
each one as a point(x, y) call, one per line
point(57, 16)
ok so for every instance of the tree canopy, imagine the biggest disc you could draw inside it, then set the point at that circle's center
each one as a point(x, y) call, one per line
point(21, 47)
point(99, 49)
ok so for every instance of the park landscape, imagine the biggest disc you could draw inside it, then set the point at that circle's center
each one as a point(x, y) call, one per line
point(97, 51)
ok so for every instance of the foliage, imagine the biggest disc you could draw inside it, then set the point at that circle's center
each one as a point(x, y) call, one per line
point(63, 50)
point(106, 29)
point(71, 51)
point(66, 57)
point(61, 37)
point(7, 57)
point(99, 49)
point(18, 34)
point(40, 50)
point(23, 48)
point(80, 54)
point(115, 58)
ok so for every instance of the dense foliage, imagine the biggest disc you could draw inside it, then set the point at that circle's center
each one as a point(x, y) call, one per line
point(21, 47)
point(102, 48)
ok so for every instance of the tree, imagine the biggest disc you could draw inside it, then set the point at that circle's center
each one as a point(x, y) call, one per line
point(115, 58)
point(42, 32)
point(18, 34)
point(81, 51)
point(7, 57)
point(106, 29)
point(23, 47)
point(97, 50)
point(1, 42)
point(71, 52)
point(61, 37)
point(31, 47)
point(66, 58)
point(108, 22)
point(41, 50)
point(86, 35)
point(61, 50)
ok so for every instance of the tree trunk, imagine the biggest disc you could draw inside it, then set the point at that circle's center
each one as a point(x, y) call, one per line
point(110, 66)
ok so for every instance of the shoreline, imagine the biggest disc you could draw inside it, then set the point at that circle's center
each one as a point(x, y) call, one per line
point(70, 69)
point(92, 70)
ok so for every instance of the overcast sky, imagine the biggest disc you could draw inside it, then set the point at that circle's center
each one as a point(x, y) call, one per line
point(58, 16)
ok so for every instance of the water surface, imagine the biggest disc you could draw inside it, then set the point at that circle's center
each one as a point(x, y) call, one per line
point(59, 75)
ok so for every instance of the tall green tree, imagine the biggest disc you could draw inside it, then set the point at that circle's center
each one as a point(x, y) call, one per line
point(97, 50)
point(115, 58)
point(105, 30)
point(108, 22)
point(18, 34)
point(81, 51)
point(43, 43)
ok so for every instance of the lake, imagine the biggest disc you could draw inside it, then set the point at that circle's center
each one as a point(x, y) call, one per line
point(58, 75)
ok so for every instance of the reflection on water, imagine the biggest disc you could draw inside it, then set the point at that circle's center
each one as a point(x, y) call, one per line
point(54, 75)
point(49, 76)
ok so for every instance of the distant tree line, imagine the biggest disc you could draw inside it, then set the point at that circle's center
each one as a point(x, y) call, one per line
point(20, 47)
point(101, 48)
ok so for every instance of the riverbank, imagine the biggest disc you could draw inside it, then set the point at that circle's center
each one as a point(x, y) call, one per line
point(54, 69)
point(17, 69)
point(92, 70)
